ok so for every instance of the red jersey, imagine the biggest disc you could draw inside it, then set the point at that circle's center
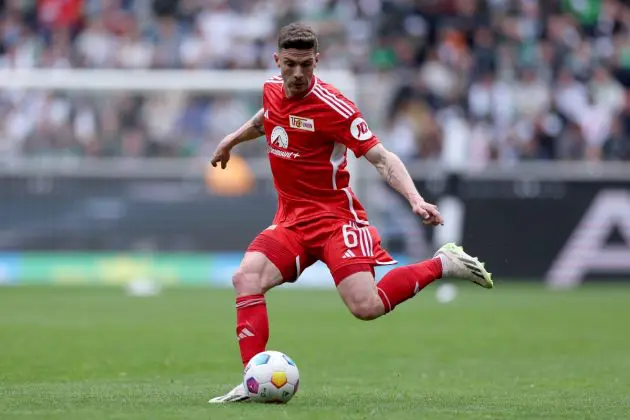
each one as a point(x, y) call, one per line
point(307, 141)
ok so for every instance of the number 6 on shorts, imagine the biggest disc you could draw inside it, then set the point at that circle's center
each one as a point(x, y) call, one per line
point(353, 236)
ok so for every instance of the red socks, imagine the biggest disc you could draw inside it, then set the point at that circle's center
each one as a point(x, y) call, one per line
point(400, 284)
point(252, 325)
point(403, 283)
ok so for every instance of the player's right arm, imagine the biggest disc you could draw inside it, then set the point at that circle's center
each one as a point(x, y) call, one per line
point(251, 130)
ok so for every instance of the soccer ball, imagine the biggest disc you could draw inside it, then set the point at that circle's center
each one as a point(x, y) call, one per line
point(271, 377)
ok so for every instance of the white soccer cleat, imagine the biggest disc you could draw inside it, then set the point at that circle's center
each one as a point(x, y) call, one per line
point(456, 263)
point(238, 394)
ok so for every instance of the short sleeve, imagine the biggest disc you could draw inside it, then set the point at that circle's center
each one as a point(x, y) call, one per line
point(353, 132)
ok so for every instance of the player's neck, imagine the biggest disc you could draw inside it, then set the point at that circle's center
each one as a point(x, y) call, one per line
point(294, 95)
point(298, 95)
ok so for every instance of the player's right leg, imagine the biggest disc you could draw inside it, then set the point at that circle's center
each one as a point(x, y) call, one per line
point(254, 277)
point(275, 256)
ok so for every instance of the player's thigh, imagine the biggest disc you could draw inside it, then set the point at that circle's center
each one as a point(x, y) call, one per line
point(277, 256)
point(358, 291)
point(351, 252)
point(256, 274)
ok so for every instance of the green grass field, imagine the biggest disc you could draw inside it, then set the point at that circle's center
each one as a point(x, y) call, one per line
point(515, 352)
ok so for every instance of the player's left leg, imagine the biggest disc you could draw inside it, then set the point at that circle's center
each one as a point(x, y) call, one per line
point(352, 250)
point(358, 291)
point(368, 300)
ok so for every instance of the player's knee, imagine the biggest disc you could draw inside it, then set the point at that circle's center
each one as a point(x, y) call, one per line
point(247, 283)
point(366, 309)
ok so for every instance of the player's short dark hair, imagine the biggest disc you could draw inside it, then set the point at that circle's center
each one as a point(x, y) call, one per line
point(297, 35)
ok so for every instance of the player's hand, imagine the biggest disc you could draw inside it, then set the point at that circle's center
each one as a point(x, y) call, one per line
point(429, 212)
point(221, 153)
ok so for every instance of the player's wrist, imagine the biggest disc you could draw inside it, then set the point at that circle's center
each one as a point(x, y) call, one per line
point(230, 141)
point(415, 198)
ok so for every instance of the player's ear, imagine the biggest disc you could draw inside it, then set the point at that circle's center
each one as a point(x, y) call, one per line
point(276, 58)
point(316, 58)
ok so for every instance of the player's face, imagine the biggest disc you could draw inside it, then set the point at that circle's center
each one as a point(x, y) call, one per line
point(297, 68)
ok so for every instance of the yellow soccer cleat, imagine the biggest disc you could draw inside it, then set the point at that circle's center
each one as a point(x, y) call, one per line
point(456, 263)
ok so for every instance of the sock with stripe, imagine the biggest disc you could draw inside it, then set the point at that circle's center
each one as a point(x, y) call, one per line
point(252, 325)
point(403, 283)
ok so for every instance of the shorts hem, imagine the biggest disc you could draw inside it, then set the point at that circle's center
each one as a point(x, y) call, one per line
point(344, 271)
point(369, 261)
point(390, 262)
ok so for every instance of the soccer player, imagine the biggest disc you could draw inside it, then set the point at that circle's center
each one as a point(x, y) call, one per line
point(309, 125)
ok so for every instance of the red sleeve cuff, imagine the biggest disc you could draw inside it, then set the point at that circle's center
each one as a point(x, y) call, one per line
point(365, 146)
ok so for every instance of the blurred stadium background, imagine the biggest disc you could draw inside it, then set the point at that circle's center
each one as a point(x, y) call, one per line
point(513, 115)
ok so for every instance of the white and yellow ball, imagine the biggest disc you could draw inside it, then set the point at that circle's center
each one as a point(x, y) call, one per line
point(271, 377)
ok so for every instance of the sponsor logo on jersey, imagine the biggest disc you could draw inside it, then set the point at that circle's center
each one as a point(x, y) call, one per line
point(282, 154)
point(360, 129)
point(279, 137)
point(300, 123)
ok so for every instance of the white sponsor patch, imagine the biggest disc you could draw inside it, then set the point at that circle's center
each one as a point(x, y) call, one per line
point(360, 129)
point(301, 123)
point(279, 137)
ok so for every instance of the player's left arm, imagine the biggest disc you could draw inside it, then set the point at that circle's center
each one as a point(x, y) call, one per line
point(346, 125)
point(394, 172)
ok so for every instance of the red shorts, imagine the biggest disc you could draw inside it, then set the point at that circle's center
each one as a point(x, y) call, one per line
point(346, 247)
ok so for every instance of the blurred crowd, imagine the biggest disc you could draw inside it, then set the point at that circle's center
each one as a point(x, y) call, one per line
point(486, 80)
point(515, 80)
